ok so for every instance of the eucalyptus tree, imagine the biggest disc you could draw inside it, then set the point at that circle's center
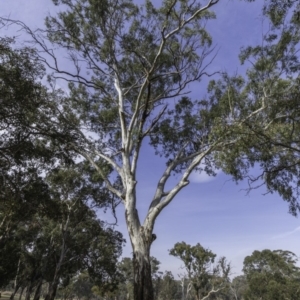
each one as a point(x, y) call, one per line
point(170, 288)
point(138, 59)
point(47, 228)
point(77, 239)
point(132, 68)
point(27, 147)
point(20, 99)
point(272, 275)
point(26, 151)
point(205, 276)
point(238, 287)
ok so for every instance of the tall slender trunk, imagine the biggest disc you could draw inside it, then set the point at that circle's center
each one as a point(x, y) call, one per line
point(182, 288)
point(12, 296)
point(21, 294)
point(16, 284)
point(37, 293)
point(29, 290)
point(51, 293)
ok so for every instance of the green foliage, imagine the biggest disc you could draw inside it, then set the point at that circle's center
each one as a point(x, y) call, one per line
point(66, 239)
point(203, 274)
point(272, 275)
point(22, 156)
point(238, 287)
point(47, 227)
point(264, 108)
point(130, 38)
point(169, 287)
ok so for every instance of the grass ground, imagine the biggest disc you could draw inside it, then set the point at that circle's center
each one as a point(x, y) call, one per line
point(6, 295)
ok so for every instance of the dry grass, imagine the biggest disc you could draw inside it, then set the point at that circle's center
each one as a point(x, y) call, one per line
point(5, 295)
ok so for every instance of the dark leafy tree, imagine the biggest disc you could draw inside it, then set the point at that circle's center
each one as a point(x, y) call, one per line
point(238, 287)
point(170, 288)
point(78, 240)
point(126, 285)
point(26, 147)
point(47, 229)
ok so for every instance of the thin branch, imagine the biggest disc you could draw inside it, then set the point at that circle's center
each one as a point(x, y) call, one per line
point(212, 291)
point(121, 107)
point(157, 206)
point(105, 179)
point(160, 50)
point(111, 162)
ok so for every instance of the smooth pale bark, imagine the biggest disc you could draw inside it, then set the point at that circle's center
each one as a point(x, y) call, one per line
point(182, 288)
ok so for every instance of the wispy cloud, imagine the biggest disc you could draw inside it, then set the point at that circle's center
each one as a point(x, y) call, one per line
point(202, 177)
point(285, 234)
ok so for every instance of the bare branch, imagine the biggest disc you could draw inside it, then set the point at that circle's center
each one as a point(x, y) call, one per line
point(212, 291)
point(157, 203)
point(183, 23)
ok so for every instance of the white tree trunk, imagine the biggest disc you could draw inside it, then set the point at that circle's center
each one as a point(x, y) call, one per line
point(141, 240)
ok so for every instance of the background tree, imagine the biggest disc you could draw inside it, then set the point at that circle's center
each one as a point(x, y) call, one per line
point(170, 288)
point(272, 275)
point(57, 246)
point(205, 277)
point(26, 148)
point(47, 228)
point(238, 287)
point(125, 289)
point(82, 287)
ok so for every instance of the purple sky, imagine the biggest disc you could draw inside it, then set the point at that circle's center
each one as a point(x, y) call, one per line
point(212, 211)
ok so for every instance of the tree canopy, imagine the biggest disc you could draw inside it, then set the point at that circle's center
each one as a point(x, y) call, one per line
point(49, 230)
point(272, 275)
